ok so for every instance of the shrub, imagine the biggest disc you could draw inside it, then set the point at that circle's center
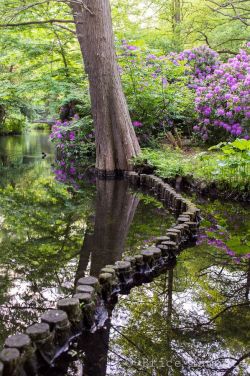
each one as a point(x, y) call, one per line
point(223, 100)
point(74, 140)
point(156, 91)
point(228, 166)
point(233, 164)
point(200, 62)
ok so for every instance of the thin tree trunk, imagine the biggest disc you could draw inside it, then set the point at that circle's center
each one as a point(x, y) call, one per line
point(116, 142)
point(176, 20)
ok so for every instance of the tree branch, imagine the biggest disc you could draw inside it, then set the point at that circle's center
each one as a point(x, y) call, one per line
point(65, 28)
point(243, 357)
point(28, 23)
point(231, 6)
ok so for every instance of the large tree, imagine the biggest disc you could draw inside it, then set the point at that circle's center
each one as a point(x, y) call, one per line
point(116, 142)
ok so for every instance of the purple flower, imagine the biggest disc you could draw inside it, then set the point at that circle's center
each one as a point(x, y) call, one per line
point(235, 99)
point(205, 137)
point(164, 81)
point(207, 111)
point(72, 170)
point(237, 108)
point(238, 131)
point(230, 252)
point(132, 48)
point(71, 136)
point(151, 57)
point(209, 96)
point(229, 114)
point(137, 124)
point(217, 89)
point(220, 112)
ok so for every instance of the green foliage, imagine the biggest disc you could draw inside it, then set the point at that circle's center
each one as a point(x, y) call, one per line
point(241, 146)
point(229, 167)
point(14, 124)
point(168, 163)
point(156, 92)
point(233, 164)
point(41, 65)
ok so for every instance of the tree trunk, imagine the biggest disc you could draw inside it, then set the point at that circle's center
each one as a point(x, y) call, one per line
point(176, 21)
point(116, 142)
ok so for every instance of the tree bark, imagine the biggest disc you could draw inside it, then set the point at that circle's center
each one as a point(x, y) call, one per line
point(116, 142)
point(176, 20)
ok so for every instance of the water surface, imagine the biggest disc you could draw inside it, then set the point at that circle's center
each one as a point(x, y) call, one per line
point(192, 320)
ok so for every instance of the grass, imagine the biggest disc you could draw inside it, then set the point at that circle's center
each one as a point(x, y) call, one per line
point(209, 166)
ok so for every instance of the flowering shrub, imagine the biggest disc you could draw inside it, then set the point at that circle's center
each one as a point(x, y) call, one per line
point(160, 88)
point(74, 140)
point(156, 91)
point(200, 61)
point(223, 100)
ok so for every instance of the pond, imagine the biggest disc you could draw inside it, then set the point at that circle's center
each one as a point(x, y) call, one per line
point(192, 320)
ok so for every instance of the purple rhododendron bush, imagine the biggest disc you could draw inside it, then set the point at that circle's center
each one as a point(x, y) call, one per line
point(157, 92)
point(200, 62)
point(223, 100)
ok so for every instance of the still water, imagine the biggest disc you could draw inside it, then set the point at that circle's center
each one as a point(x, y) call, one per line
point(192, 320)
